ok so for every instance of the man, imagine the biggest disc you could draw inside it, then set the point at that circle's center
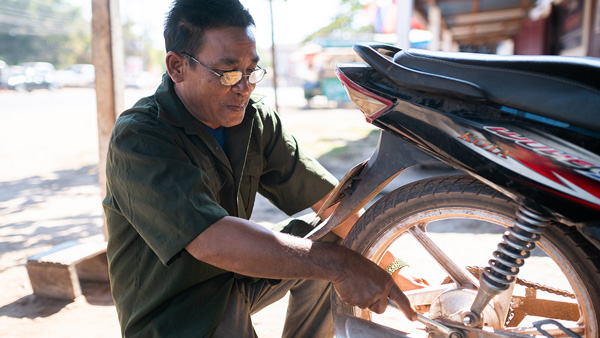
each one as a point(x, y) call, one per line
point(184, 166)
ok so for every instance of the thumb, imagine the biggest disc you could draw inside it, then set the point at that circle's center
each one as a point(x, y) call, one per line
point(397, 296)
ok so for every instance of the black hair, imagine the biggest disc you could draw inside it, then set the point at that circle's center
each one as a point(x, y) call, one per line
point(189, 19)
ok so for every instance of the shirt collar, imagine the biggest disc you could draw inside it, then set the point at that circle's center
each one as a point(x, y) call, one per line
point(170, 107)
point(172, 111)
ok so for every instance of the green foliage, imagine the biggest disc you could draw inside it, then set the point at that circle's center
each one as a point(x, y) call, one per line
point(55, 31)
point(43, 30)
point(136, 45)
point(344, 21)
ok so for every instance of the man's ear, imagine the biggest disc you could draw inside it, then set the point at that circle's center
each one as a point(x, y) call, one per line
point(175, 63)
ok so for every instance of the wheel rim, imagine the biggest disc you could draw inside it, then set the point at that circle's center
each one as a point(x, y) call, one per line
point(386, 239)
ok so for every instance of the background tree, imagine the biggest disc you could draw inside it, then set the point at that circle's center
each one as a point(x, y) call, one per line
point(43, 30)
point(140, 45)
point(56, 31)
point(344, 21)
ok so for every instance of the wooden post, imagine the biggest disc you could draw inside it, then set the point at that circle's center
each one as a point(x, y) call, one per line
point(274, 57)
point(435, 26)
point(403, 26)
point(108, 58)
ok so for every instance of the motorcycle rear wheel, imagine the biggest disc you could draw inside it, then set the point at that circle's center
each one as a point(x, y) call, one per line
point(460, 207)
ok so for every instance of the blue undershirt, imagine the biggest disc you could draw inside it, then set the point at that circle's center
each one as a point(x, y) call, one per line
point(218, 134)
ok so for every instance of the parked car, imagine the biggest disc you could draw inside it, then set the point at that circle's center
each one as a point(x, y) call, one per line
point(3, 75)
point(32, 75)
point(78, 75)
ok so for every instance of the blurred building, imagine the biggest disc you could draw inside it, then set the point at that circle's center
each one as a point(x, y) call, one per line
point(532, 27)
point(542, 27)
point(549, 27)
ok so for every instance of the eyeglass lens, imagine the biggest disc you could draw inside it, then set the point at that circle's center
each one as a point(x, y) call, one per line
point(232, 78)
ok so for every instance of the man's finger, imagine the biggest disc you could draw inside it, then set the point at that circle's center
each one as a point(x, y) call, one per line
point(397, 296)
point(379, 306)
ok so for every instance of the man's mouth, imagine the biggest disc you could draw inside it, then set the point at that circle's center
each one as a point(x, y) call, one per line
point(237, 106)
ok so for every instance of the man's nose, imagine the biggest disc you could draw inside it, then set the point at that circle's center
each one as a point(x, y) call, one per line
point(243, 86)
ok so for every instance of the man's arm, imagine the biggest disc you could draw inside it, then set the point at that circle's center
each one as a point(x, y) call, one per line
point(247, 248)
point(404, 277)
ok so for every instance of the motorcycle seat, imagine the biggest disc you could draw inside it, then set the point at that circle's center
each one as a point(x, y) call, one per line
point(565, 89)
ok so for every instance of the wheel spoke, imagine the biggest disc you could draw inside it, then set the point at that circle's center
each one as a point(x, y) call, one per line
point(460, 275)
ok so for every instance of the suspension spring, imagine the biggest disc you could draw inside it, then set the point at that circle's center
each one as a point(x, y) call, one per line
point(518, 241)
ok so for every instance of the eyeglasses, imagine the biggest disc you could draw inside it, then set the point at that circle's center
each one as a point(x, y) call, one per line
point(235, 76)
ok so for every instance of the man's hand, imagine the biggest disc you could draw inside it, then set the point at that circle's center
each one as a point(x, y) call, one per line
point(378, 286)
point(366, 285)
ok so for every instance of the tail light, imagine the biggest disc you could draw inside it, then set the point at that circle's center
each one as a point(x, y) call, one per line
point(370, 104)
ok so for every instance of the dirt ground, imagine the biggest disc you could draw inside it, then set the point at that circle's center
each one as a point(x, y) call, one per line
point(49, 195)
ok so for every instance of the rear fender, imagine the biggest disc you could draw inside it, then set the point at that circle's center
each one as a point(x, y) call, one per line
point(392, 156)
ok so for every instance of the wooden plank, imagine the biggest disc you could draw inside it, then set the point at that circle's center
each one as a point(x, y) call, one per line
point(69, 253)
point(486, 17)
point(57, 273)
point(57, 281)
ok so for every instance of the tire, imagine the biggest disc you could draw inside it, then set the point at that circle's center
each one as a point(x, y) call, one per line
point(460, 209)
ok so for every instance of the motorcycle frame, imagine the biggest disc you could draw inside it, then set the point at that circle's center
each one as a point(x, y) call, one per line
point(474, 136)
point(486, 130)
point(367, 179)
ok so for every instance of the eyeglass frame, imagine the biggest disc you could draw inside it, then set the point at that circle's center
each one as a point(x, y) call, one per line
point(221, 76)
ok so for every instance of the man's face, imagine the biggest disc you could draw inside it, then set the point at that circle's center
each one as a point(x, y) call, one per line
point(224, 49)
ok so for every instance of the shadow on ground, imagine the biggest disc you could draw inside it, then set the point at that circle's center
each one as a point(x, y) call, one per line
point(22, 200)
point(38, 189)
point(32, 306)
point(37, 213)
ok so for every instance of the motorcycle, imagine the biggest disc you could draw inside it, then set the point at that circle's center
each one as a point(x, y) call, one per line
point(524, 132)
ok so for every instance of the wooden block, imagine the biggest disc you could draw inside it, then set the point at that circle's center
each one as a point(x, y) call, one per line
point(56, 273)
point(54, 281)
point(93, 269)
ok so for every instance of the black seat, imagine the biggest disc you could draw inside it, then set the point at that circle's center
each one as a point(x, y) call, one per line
point(565, 89)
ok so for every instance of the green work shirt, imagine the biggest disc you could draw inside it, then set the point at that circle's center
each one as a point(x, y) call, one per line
point(167, 181)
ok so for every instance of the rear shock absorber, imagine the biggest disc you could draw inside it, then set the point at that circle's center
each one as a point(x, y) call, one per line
point(518, 241)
